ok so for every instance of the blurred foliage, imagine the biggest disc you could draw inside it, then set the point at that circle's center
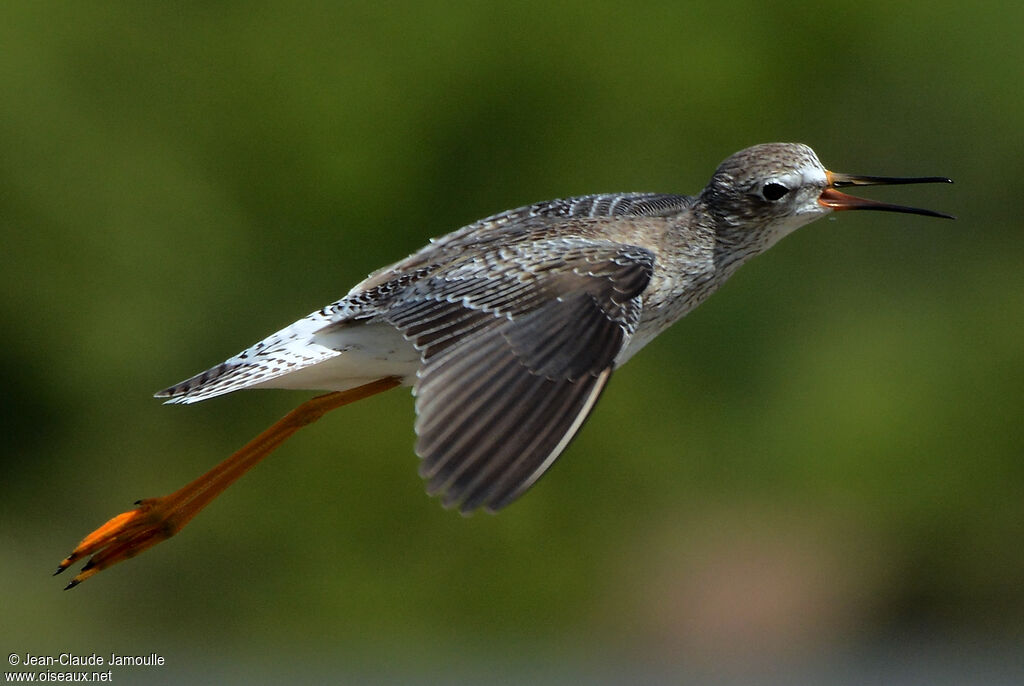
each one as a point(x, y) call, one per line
point(825, 455)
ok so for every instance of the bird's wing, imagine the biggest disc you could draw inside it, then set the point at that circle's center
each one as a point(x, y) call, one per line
point(517, 343)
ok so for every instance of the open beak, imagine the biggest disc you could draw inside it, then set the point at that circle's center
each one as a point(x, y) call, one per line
point(835, 200)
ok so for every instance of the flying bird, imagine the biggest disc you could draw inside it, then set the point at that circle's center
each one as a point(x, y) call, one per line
point(507, 329)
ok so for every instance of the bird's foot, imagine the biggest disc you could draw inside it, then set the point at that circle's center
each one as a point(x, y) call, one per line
point(157, 519)
point(124, 537)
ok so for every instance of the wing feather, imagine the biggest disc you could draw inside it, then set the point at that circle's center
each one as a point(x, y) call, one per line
point(519, 476)
point(517, 343)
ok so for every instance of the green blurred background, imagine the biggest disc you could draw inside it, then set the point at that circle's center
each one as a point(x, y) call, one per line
point(818, 473)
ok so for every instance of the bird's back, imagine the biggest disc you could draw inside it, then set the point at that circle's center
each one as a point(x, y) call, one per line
point(511, 244)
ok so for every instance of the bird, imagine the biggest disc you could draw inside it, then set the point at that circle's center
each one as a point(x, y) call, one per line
point(507, 329)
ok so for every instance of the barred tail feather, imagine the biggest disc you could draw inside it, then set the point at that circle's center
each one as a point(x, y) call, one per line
point(280, 354)
point(223, 378)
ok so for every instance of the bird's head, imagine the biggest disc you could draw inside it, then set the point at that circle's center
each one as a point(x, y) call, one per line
point(776, 188)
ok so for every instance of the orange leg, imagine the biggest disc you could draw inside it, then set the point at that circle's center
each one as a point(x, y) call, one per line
point(157, 519)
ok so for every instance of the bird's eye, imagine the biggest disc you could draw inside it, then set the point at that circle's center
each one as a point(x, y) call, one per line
point(773, 191)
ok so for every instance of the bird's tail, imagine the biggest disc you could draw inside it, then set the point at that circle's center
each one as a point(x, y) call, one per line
point(284, 352)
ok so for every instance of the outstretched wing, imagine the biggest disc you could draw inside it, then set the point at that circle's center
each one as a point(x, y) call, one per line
point(517, 343)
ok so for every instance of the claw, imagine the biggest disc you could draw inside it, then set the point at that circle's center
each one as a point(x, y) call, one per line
point(123, 537)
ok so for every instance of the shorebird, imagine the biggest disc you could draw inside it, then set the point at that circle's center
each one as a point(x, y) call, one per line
point(507, 329)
